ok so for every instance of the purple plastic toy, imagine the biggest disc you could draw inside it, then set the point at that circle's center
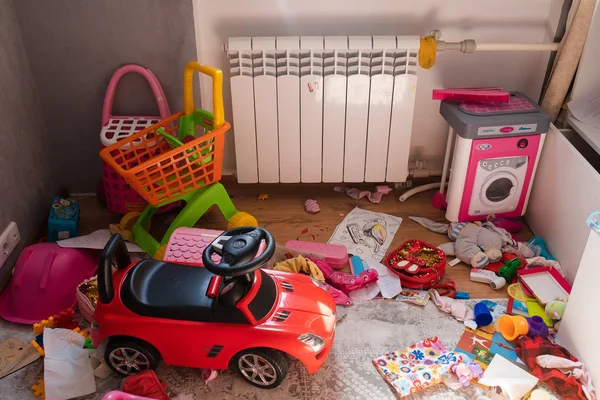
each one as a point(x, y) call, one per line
point(537, 327)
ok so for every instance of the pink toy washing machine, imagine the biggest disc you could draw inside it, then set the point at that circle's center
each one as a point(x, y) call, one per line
point(495, 156)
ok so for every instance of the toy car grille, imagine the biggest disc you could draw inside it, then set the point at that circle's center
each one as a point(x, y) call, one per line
point(281, 316)
point(287, 286)
point(215, 350)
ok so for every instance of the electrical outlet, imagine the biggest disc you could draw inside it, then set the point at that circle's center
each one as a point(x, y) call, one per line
point(8, 241)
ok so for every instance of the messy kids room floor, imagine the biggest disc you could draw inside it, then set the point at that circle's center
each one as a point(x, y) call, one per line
point(404, 214)
point(366, 330)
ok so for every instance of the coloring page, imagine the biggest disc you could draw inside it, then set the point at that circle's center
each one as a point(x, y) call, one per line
point(366, 234)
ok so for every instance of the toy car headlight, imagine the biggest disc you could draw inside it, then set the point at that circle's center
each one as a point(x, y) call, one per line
point(316, 343)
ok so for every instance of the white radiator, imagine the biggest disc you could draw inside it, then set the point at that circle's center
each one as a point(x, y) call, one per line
point(323, 109)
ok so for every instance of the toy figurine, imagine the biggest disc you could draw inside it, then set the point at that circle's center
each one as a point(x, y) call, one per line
point(466, 372)
point(555, 310)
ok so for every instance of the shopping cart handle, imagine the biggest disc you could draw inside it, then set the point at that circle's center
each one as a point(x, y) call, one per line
point(188, 92)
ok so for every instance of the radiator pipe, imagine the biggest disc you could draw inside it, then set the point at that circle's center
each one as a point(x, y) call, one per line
point(430, 45)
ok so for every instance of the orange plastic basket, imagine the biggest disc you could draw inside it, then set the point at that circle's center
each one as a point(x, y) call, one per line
point(161, 173)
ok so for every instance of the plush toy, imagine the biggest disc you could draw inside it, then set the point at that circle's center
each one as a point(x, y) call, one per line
point(478, 243)
point(466, 372)
point(556, 309)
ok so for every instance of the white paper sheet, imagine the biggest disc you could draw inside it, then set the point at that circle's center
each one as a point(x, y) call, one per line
point(514, 381)
point(586, 108)
point(95, 240)
point(365, 294)
point(388, 282)
point(366, 234)
point(68, 372)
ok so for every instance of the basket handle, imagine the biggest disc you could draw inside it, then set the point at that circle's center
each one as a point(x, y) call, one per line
point(159, 95)
point(188, 92)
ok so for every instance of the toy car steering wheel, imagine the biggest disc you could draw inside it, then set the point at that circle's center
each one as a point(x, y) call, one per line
point(237, 248)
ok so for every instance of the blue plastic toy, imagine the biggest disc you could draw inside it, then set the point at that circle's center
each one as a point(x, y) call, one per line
point(483, 316)
point(462, 296)
point(538, 241)
point(63, 219)
point(357, 265)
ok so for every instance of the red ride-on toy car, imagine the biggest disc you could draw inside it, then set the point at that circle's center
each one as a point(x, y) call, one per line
point(230, 313)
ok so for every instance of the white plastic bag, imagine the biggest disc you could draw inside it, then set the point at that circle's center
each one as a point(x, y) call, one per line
point(68, 372)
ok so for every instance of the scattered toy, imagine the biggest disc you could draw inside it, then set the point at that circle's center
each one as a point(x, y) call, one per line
point(470, 239)
point(483, 316)
point(311, 206)
point(537, 327)
point(334, 255)
point(462, 296)
point(63, 219)
point(419, 264)
point(509, 269)
point(467, 372)
point(38, 389)
point(512, 326)
point(263, 196)
point(556, 309)
point(485, 276)
point(209, 374)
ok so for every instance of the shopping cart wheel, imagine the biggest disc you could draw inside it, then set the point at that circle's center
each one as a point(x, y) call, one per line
point(241, 219)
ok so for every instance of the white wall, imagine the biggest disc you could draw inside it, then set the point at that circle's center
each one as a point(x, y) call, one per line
point(579, 328)
point(483, 20)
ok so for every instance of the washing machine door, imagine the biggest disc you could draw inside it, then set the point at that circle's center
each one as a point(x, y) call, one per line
point(498, 189)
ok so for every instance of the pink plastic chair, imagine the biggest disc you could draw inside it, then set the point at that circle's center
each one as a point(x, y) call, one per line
point(120, 197)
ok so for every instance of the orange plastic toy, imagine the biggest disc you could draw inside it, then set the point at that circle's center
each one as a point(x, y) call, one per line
point(159, 172)
point(512, 326)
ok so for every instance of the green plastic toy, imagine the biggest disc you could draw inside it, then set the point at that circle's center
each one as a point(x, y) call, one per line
point(509, 269)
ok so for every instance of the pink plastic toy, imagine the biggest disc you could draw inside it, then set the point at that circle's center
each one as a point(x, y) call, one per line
point(120, 197)
point(44, 282)
point(118, 395)
point(333, 254)
point(346, 282)
point(187, 244)
point(492, 95)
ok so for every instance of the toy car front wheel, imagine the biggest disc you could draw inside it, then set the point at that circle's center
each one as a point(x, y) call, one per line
point(263, 368)
point(130, 356)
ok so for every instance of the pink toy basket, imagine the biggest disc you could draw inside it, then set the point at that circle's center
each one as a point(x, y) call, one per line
point(120, 197)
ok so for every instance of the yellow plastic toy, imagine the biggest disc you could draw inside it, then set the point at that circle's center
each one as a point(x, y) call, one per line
point(38, 389)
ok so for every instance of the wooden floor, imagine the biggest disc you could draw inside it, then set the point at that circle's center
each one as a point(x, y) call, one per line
point(283, 215)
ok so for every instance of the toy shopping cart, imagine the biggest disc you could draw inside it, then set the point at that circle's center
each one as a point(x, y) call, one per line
point(120, 197)
point(178, 158)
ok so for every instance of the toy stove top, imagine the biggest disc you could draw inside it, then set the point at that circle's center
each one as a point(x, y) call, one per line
point(516, 105)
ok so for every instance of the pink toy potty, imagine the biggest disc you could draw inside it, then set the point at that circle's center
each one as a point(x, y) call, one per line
point(44, 282)
point(120, 197)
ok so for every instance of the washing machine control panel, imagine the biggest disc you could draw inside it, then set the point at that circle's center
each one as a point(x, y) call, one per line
point(492, 164)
